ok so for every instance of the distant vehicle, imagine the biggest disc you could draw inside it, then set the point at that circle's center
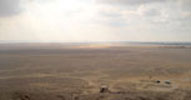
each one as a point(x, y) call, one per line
point(167, 82)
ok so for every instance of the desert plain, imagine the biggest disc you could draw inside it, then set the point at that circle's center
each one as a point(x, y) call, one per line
point(58, 71)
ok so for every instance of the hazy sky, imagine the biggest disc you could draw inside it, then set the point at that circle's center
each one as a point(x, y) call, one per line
point(95, 20)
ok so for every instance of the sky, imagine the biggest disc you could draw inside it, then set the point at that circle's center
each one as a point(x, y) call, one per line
point(95, 20)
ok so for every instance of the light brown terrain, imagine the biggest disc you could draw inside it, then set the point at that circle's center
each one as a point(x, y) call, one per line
point(77, 71)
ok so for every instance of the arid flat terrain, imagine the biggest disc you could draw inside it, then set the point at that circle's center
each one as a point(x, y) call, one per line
point(78, 72)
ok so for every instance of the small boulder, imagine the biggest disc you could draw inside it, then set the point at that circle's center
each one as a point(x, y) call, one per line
point(104, 89)
point(157, 81)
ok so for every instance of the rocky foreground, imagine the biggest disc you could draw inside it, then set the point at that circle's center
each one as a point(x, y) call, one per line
point(131, 95)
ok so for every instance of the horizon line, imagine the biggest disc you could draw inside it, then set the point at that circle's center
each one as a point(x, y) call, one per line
point(77, 42)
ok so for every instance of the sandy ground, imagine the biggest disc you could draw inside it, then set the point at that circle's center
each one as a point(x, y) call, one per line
point(77, 71)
